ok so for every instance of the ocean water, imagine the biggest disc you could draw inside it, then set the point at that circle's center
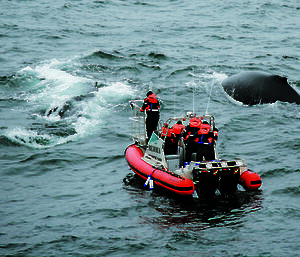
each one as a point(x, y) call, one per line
point(65, 187)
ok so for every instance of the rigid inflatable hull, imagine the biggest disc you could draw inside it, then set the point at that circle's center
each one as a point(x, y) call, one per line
point(162, 178)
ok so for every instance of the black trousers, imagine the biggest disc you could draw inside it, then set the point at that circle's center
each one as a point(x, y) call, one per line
point(170, 146)
point(204, 150)
point(191, 148)
point(151, 124)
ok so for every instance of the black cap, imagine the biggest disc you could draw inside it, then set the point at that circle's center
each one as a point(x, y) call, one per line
point(149, 93)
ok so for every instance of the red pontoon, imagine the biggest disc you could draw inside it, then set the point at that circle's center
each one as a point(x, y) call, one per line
point(171, 172)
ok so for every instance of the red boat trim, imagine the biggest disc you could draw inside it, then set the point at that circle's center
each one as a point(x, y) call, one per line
point(158, 180)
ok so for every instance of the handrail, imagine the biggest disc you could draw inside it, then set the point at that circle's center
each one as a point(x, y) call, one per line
point(137, 118)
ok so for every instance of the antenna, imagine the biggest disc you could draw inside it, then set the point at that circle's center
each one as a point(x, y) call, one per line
point(208, 101)
point(174, 91)
point(194, 89)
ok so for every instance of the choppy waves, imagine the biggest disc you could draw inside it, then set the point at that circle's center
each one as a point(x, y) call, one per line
point(65, 186)
point(61, 106)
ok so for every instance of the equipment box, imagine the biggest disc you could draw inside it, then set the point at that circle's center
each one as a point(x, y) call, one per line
point(173, 162)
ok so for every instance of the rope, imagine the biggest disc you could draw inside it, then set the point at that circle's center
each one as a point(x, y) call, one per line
point(150, 180)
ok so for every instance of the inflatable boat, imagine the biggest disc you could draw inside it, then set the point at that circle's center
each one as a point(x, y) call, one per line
point(149, 159)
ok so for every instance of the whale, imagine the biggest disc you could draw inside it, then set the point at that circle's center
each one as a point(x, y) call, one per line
point(69, 107)
point(257, 87)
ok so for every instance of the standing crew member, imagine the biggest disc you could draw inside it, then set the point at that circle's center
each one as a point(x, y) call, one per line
point(205, 138)
point(151, 106)
point(214, 139)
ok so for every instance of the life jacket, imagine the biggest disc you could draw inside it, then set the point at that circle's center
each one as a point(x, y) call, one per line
point(150, 104)
point(164, 131)
point(195, 123)
point(170, 138)
point(178, 128)
point(204, 135)
point(204, 129)
point(192, 129)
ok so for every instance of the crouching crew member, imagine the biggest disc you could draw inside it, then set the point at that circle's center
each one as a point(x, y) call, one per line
point(178, 128)
point(169, 137)
point(151, 106)
point(205, 139)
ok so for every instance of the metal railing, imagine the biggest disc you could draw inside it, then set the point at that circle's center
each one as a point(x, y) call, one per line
point(137, 122)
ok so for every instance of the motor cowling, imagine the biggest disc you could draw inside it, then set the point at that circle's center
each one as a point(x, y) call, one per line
point(250, 180)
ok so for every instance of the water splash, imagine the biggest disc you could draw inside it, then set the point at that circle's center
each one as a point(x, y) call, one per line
point(61, 106)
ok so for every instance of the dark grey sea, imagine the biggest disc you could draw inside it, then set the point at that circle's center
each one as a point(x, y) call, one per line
point(66, 189)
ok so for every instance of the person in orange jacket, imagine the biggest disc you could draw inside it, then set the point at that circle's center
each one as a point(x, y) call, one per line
point(169, 137)
point(178, 128)
point(151, 106)
point(205, 139)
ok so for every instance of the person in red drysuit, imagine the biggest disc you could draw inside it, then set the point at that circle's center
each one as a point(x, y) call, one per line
point(151, 106)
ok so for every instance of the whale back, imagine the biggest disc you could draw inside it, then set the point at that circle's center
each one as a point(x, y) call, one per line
point(255, 87)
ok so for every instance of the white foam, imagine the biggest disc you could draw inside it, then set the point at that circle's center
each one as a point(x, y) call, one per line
point(27, 137)
point(115, 93)
point(219, 77)
point(52, 89)
point(56, 85)
point(94, 112)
